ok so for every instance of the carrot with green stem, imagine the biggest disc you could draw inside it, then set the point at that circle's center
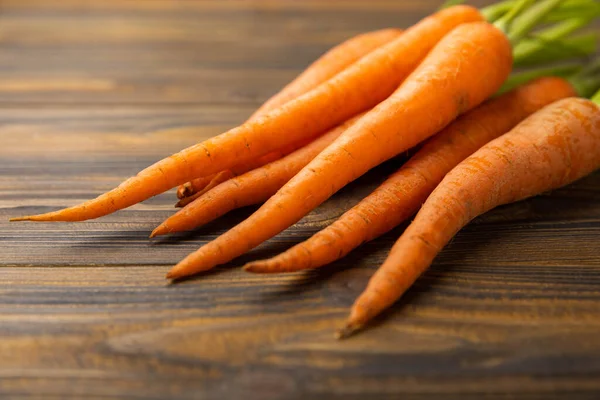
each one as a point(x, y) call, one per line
point(552, 148)
point(401, 195)
point(356, 89)
point(549, 45)
point(253, 187)
point(464, 68)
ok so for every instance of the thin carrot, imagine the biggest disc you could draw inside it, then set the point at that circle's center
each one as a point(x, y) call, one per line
point(403, 192)
point(328, 65)
point(464, 68)
point(356, 89)
point(552, 148)
point(325, 67)
point(253, 187)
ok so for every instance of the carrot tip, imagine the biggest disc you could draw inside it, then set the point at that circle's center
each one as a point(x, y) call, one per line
point(250, 267)
point(152, 234)
point(26, 218)
point(171, 275)
point(346, 331)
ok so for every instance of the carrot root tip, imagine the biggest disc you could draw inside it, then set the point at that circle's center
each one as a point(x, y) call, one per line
point(347, 331)
point(15, 219)
point(171, 275)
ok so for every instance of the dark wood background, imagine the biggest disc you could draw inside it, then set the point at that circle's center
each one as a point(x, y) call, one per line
point(93, 91)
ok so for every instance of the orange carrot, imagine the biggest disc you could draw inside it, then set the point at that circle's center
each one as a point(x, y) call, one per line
point(465, 67)
point(357, 88)
point(401, 195)
point(552, 148)
point(325, 67)
point(205, 183)
point(253, 187)
point(328, 65)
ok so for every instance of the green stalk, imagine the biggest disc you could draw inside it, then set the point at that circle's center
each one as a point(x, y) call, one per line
point(540, 40)
point(590, 10)
point(520, 78)
point(527, 20)
point(587, 81)
point(596, 98)
point(496, 11)
point(506, 21)
point(450, 3)
point(579, 46)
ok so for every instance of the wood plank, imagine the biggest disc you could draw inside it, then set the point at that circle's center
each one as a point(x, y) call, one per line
point(99, 53)
point(232, 333)
point(92, 91)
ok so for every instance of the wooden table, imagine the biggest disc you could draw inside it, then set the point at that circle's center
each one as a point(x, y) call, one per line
point(93, 91)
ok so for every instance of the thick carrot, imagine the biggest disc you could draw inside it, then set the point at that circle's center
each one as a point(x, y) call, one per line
point(356, 89)
point(253, 187)
point(403, 192)
point(205, 183)
point(328, 65)
point(552, 148)
point(465, 67)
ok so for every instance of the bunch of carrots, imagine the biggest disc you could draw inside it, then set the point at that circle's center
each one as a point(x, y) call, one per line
point(486, 139)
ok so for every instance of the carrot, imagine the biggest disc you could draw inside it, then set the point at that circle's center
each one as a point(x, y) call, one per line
point(358, 88)
point(253, 187)
point(552, 148)
point(203, 184)
point(464, 68)
point(403, 192)
point(328, 65)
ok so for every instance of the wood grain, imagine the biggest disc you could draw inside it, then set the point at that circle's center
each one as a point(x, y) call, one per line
point(93, 91)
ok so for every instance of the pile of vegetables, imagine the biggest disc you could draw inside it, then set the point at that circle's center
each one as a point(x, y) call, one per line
point(485, 139)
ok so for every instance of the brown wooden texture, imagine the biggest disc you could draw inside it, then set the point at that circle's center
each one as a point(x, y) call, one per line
point(92, 91)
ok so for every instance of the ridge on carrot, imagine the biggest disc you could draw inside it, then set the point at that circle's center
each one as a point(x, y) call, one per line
point(462, 70)
point(400, 195)
point(358, 88)
point(553, 147)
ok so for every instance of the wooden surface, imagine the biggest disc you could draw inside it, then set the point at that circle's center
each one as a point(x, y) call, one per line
point(90, 92)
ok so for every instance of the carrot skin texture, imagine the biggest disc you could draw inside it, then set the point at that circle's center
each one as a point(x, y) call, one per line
point(253, 187)
point(465, 67)
point(401, 195)
point(552, 148)
point(358, 88)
